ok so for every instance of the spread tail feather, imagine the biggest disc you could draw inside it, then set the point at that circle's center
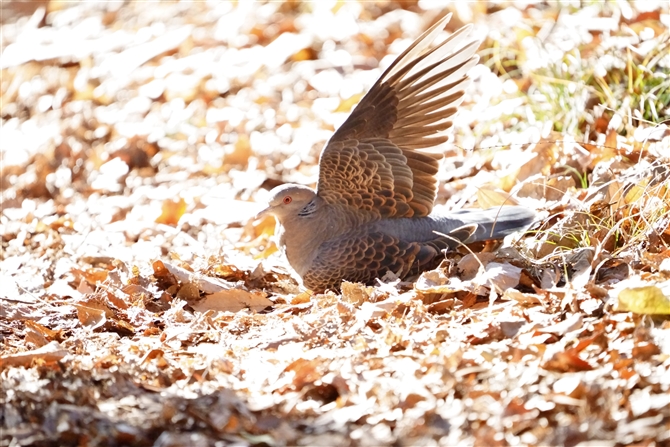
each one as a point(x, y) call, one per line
point(482, 225)
point(466, 226)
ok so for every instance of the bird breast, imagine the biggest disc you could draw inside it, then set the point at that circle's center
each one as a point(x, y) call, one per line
point(301, 237)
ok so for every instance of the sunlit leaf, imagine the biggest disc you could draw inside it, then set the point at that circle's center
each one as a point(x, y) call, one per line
point(172, 210)
point(643, 300)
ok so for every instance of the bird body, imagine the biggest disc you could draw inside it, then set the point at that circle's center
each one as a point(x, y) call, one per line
point(372, 210)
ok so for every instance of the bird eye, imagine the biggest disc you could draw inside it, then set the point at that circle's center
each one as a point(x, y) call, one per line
point(287, 200)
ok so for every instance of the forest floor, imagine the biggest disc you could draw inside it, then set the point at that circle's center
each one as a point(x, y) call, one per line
point(141, 304)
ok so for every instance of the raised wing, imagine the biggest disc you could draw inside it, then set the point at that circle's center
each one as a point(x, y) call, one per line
point(372, 162)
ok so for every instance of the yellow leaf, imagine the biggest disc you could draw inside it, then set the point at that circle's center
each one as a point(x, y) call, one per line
point(603, 153)
point(265, 226)
point(643, 300)
point(240, 153)
point(347, 104)
point(306, 54)
point(507, 182)
point(336, 7)
point(488, 197)
point(271, 249)
point(615, 195)
point(172, 210)
point(636, 192)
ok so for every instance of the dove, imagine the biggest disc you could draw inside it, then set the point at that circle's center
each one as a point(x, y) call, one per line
point(372, 210)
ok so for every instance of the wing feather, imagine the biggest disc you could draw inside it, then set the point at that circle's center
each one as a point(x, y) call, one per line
point(372, 162)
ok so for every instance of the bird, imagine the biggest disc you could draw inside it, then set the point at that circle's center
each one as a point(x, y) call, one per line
point(372, 210)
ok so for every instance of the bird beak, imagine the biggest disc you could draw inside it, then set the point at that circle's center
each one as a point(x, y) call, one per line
point(262, 213)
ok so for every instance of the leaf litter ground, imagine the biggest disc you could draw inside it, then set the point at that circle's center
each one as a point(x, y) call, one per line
point(141, 305)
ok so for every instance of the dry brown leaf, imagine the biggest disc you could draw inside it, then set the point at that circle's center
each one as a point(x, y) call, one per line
point(436, 282)
point(355, 293)
point(552, 187)
point(567, 361)
point(471, 264)
point(498, 276)
point(571, 323)
point(45, 332)
point(527, 299)
point(220, 295)
point(605, 152)
point(232, 300)
point(52, 352)
point(94, 317)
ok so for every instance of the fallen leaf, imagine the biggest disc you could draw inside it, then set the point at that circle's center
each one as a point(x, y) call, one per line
point(643, 300)
point(233, 300)
point(220, 295)
point(567, 361)
point(571, 323)
point(488, 197)
point(499, 276)
point(91, 316)
point(172, 211)
point(528, 299)
point(49, 353)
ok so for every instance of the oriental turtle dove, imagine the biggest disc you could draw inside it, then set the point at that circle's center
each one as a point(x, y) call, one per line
point(372, 209)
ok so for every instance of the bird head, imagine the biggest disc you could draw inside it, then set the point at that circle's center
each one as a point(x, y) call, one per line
point(286, 201)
